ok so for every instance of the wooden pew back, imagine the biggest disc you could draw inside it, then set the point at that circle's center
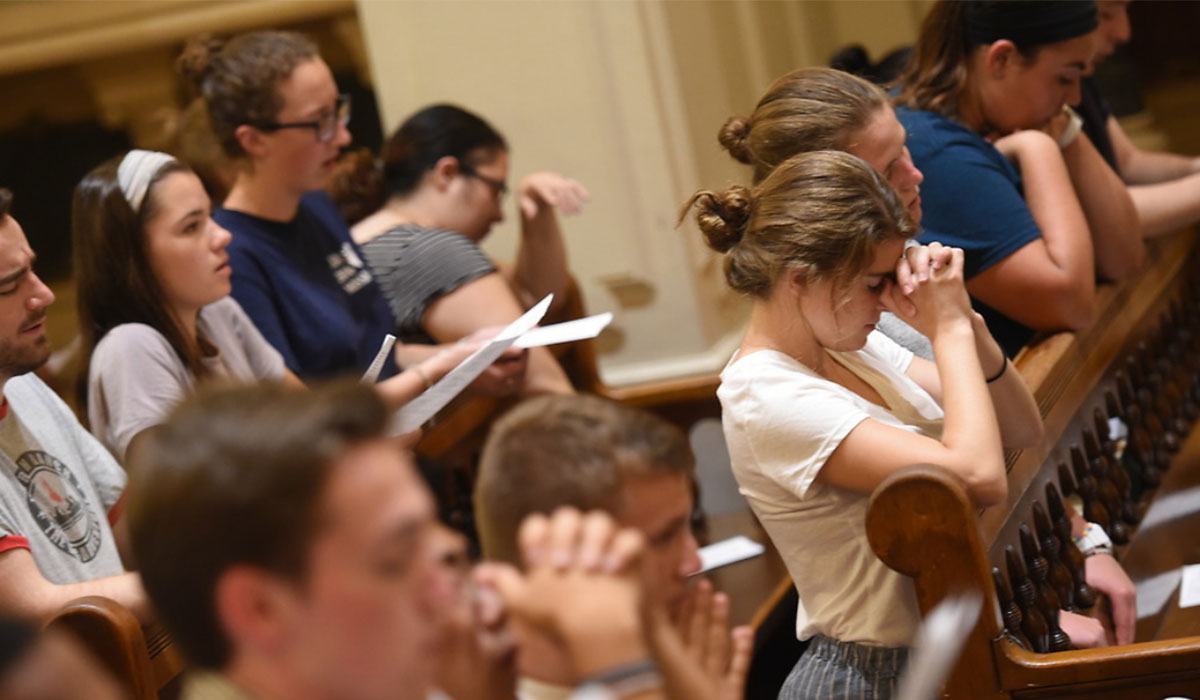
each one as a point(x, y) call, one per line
point(922, 523)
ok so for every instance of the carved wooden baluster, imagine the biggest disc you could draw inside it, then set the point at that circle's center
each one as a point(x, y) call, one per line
point(1140, 438)
point(1084, 596)
point(1184, 364)
point(1155, 421)
point(1176, 431)
point(1130, 455)
point(1100, 498)
point(1044, 594)
point(1094, 508)
point(1102, 458)
point(1009, 610)
point(1060, 576)
point(1033, 623)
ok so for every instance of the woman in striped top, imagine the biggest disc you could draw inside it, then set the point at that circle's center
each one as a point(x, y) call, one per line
point(423, 207)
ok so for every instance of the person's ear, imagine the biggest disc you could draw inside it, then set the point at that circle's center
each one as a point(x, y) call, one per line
point(252, 141)
point(796, 280)
point(444, 171)
point(254, 608)
point(1000, 58)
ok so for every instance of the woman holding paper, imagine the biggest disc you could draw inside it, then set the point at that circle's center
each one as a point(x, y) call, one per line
point(420, 212)
point(167, 322)
point(818, 408)
point(275, 109)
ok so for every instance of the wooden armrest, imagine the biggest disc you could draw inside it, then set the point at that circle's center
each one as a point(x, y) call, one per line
point(112, 633)
point(1114, 663)
point(694, 388)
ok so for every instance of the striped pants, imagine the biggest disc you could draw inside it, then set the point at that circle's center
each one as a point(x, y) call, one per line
point(831, 669)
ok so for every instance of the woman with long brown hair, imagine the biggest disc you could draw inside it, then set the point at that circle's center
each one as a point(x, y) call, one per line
point(818, 408)
point(164, 321)
point(1008, 175)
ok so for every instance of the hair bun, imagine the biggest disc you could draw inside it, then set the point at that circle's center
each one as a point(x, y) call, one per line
point(733, 137)
point(195, 63)
point(722, 216)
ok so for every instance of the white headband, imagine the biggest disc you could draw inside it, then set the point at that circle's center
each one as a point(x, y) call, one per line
point(135, 172)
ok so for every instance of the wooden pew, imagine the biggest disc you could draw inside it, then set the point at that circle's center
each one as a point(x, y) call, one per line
point(144, 661)
point(1138, 362)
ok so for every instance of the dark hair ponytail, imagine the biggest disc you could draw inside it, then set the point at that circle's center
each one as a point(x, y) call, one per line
point(362, 184)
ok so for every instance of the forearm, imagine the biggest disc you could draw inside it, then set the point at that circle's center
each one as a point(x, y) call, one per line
point(970, 428)
point(1150, 167)
point(544, 375)
point(1111, 216)
point(1017, 413)
point(1055, 207)
point(541, 266)
point(41, 601)
point(1167, 207)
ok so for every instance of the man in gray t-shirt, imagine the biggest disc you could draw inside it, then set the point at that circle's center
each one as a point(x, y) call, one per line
point(60, 490)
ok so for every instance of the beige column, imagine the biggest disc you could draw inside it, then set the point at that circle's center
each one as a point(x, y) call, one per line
point(627, 97)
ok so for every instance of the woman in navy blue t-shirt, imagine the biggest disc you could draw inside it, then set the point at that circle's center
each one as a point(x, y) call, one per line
point(1008, 176)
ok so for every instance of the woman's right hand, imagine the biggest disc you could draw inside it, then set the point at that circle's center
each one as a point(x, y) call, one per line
point(930, 294)
point(1026, 143)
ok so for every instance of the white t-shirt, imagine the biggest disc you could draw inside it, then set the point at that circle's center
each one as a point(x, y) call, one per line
point(135, 378)
point(782, 422)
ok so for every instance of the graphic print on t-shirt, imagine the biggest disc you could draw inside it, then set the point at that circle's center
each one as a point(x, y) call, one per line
point(58, 504)
point(348, 269)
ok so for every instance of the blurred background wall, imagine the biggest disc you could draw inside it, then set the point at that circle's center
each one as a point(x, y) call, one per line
point(624, 96)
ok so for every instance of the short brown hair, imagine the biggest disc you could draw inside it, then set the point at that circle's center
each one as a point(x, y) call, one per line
point(235, 477)
point(810, 109)
point(238, 78)
point(575, 450)
point(822, 212)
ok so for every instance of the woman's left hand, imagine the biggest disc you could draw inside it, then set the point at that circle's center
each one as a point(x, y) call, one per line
point(543, 192)
point(914, 269)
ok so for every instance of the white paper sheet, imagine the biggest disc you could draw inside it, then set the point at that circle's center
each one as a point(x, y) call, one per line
point(726, 552)
point(567, 332)
point(413, 414)
point(1189, 586)
point(372, 373)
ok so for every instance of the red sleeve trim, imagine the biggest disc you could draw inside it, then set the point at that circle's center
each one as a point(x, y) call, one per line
point(13, 542)
point(115, 513)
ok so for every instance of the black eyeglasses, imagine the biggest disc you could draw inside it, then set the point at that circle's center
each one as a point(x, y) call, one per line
point(325, 126)
point(499, 187)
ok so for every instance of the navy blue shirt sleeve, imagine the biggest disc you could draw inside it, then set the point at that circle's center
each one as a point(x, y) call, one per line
point(971, 196)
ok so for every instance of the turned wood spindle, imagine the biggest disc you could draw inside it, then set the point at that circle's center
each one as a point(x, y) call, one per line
point(1009, 610)
point(1106, 469)
point(1060, 576)
point(1085, 596)
point(1100, 498)
point(1141, 443)
point(1033, 623)
point(1045, 596)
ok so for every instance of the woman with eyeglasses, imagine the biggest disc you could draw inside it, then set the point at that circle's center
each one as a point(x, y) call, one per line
point(423, 207)
point(275, 110)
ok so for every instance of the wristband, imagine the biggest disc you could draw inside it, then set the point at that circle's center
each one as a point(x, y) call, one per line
point(1003, 369)
point(1094, 540)
point(1074, 126)
point(620, 681)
